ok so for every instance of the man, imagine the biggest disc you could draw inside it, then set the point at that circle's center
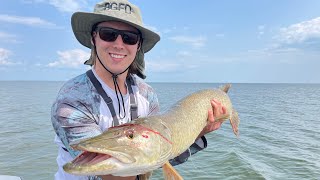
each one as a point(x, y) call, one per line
point(113, 92)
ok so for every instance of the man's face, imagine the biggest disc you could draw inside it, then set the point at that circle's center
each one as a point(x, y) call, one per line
point(115, 55)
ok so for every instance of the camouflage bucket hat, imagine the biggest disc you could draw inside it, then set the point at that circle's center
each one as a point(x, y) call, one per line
point(113, 10)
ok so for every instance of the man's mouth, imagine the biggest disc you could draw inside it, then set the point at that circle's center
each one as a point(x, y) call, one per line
point(117, 56)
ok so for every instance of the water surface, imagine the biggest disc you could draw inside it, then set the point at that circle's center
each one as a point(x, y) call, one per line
point(279, 132)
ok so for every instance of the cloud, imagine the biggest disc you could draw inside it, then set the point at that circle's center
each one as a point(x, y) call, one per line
point(297, 39)
point(196, 42)
point(169, 66)
point(161, 66)
point(184, 54)
point(261, 29)
point(171, 29)
point(62, 5)
point(30, 21)
point(4, 57)
point(68, 5)
point(177, 29)
point(9, 38)
point(300, 32)
point(220, 35)
point(70, 59)
point(152, 28)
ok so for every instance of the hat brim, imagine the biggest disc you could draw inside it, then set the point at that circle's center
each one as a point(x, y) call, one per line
point(82, 23)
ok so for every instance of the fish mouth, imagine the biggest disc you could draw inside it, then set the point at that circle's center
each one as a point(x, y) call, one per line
point(87, 158)
point(91, 155)
point(96, 163)
point(89, 163)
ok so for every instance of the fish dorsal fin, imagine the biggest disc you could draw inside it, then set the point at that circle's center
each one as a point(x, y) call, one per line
point(225, 87)
point(170, 173)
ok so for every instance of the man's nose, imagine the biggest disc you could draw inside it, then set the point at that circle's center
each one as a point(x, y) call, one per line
point(119, 40)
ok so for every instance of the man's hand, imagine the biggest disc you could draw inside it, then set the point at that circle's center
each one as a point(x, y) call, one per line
point(217, 110)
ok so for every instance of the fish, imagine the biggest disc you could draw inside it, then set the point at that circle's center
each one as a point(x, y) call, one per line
point(148, 143)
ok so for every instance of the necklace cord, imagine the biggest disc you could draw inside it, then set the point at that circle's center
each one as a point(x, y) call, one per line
point(116, 86)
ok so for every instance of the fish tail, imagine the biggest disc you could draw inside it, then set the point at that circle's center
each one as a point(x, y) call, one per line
point(225, 88)
point(234, 121)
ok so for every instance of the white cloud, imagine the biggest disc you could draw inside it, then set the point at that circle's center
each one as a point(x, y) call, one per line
point(4, 35)
point(71, 58)
point(68, 5)
point(261, 29)
point(193, 41)
point(183, 54)
point(170, 30)
point(175, 29)
point(166, 31)
point(220, 35)
point(63, 5)
point(152, 28)
point(30, 21)
point(4, 57)
point(297, 40)
point(300, 32)
point(9, 38)
point(170, 65)
point(162, 66)
point(271, 55)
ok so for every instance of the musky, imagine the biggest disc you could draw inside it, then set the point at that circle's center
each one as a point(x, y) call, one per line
point(248, 41)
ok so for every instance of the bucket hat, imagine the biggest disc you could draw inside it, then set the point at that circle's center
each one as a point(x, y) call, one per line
point(113, 10)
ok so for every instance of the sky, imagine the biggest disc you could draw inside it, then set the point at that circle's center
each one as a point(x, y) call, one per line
point(248, 41)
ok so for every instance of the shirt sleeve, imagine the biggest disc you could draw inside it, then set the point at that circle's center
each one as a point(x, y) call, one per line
point(154, 106)
point(73, 116)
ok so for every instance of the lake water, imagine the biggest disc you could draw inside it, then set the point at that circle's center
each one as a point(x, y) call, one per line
point(279, 132)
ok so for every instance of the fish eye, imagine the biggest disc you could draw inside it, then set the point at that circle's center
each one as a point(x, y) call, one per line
point(129, 134)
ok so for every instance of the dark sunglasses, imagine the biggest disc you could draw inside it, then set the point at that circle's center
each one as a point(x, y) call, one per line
point(109, 35)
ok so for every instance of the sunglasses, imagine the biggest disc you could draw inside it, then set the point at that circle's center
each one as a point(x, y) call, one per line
point(110, 35)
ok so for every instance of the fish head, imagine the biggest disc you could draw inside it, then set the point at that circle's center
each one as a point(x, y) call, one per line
point(124, 150)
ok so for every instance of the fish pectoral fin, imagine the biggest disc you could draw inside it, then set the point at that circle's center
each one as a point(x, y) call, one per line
point(170, 173)
point(235, 121)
